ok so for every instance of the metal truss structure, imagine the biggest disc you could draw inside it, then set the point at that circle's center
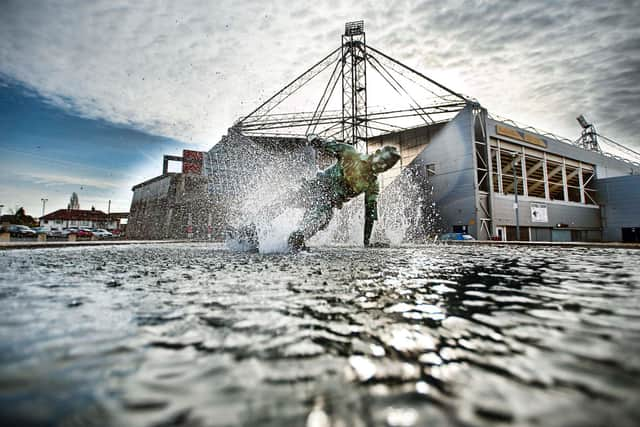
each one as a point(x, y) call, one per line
point(589, 138)
point(354, 84)
point(427, 102)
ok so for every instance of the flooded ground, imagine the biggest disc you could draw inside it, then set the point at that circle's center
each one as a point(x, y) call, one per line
point(192, 334)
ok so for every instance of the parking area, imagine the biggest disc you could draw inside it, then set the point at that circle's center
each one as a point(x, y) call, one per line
point(22, 233)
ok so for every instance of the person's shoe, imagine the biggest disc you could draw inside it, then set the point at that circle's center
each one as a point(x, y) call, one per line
point(243, 238)
point(377, 245)
point(296, 242)
point(249, 234)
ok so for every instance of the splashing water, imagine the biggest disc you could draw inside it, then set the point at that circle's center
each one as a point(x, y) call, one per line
point(263, 206)
point(406, 211)
point(346, 226)
point(273, 236)
point(399, 209)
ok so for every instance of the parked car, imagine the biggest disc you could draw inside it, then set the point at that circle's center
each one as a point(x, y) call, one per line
point(56, 232)
point(78, 231)
point(20, 231)
point(455, 236)
point(68, 230)
point(101, 233)
point(84, 232)
point(41, 230)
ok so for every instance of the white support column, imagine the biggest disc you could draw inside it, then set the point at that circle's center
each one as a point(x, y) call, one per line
point(489, 166)
point(499, 167)
point(545, 177)
point(582, 198)
point(523, 168)
point(564, 180)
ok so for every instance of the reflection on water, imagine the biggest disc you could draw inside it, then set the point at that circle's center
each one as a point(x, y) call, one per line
point(196, 335)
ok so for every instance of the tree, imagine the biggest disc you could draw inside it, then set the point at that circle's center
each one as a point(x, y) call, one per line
point(20, 218)
point(74, 203)
point(20, 213)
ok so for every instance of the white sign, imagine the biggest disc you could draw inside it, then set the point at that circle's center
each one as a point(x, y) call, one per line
point(539, 212)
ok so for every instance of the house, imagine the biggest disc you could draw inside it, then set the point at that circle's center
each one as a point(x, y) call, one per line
point(63, 218)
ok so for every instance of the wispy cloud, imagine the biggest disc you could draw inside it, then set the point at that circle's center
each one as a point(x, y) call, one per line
point(188, 69)
point(56, 179)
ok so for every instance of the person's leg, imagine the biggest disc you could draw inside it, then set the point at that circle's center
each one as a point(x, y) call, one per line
point(314, 220)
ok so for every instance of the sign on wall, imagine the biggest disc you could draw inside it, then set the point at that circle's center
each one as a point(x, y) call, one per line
point(539, 212)
point(520, 136)
point(192, 161)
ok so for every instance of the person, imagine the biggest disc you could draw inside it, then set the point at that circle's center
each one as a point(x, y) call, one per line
point(352, 174)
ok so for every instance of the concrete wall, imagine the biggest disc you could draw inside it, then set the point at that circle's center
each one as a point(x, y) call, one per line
point(620, 201)
point(237, 171)
point(239, 166)
point(164, 207)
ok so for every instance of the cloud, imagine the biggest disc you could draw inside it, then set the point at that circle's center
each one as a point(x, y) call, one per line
point(189, 69)
point(27, 187)
point(51, 180)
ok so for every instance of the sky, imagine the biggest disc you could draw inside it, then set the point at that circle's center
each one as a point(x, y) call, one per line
point(92, 94)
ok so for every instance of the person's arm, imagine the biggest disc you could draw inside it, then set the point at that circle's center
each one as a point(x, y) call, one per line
point(370, 211)
point(329, 146)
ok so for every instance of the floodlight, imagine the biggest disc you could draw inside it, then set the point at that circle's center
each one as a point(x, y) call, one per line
point(583, 122)
point(354, 28)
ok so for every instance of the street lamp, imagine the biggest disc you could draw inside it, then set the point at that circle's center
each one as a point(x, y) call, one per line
point(515, 177)
point(1, 206)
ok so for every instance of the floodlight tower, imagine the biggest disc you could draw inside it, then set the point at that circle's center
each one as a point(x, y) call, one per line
point(354, 85)
point(589, 138)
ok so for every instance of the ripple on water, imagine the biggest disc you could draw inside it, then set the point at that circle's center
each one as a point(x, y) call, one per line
point(193, 334)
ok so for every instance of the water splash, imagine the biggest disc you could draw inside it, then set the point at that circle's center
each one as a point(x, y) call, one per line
point(263, 205)
point(406, 211)
point(273, 236)
point(346, 227)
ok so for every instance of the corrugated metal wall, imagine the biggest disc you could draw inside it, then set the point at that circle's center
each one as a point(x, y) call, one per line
point(620, 201)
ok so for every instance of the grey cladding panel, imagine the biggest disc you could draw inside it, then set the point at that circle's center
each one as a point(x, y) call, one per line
point(620, 200)
point(451, 152)
point(572, 215)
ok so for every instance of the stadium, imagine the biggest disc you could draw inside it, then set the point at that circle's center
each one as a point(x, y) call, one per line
point(489, 177)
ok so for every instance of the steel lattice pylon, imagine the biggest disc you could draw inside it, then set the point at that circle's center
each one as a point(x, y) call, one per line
point(348, 116)
point(354, 85)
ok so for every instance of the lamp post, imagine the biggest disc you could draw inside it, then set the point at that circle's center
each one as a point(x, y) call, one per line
point(44, 202)
point(515, 177)
point(1, 206)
